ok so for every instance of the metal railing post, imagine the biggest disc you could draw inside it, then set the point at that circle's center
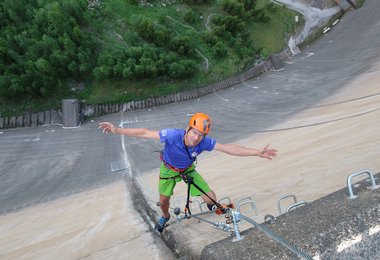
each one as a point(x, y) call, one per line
point(282, 198)
point(349, 182)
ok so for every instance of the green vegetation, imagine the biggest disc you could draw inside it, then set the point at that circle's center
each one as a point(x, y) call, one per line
point(360, 3)
point(120, 50)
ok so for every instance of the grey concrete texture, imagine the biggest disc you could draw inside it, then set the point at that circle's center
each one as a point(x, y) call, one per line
point(348, 50)
point(41, 164)
point(332, 227)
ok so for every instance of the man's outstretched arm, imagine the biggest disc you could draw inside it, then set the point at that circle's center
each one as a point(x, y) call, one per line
point(238, 150)
point(108, 127)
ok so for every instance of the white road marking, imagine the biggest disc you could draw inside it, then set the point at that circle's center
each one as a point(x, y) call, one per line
point(254, 87)
point(224, 99)
point(31, 139)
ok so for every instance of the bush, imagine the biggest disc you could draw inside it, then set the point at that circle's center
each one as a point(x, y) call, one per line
point(189, 16)
point(182, 45)
point(233, 8)
point(219, 50)
point(209, 38)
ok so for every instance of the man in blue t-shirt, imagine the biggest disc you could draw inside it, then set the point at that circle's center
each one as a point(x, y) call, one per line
point(182, 146)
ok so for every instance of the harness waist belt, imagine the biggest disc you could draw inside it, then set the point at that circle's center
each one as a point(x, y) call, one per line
point(175, 168)
point(181, 172)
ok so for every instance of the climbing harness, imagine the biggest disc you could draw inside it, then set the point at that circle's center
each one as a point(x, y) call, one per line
point(219, 208)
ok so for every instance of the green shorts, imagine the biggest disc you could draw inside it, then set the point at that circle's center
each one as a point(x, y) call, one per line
point(166, 187)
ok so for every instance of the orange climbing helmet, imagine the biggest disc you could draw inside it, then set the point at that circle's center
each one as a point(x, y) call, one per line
point(201, 122)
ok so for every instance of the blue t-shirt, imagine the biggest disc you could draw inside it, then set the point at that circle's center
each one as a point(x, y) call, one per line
point(175, 152)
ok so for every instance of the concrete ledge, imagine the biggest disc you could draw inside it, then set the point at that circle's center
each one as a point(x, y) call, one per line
point(333, 227)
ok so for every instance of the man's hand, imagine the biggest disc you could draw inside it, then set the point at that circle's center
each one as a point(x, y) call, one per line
point(107, 127)
point(268, 153)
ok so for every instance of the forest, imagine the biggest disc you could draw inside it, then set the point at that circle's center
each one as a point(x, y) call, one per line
point(113, 50)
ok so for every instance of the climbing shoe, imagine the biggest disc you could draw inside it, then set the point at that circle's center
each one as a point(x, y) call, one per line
point(160, 225)
point(210, 206)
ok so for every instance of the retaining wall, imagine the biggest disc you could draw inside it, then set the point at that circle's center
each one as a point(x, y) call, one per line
point(88, 111)
point(333, 227)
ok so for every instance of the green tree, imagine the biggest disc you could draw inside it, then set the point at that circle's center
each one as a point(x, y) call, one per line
point(209, 38)
point(177, 70)
point(219, 50)
point(42, 45)
point(233, 7)
point(189, 16)
point(151, 30)
point(233, 24)
point(181, 45)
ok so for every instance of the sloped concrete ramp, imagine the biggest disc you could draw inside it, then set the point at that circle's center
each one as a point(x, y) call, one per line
point(63, 195)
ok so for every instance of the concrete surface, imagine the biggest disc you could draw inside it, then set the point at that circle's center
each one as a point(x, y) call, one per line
point(320, 146)
point(332, 227)
point(63, 194)
point(315, 17)
point(62, 187)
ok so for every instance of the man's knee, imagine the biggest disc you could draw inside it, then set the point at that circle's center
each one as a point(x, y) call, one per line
point(164, 199)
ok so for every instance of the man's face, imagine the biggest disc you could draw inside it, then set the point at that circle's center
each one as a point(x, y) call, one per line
point(194, 137)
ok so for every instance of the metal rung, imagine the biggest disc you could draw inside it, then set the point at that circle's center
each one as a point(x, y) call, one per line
point(349, 182)
point(253, 205)
point(296, 205)
point(201, 208)
point(207, 210)
point(243, 199)
point(225, 198)
point(246, 200)
point(282, 198)
point(195, 201)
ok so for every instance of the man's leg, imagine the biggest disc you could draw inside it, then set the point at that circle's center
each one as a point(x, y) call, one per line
point(164, 205)
point(201, 183)
point(206, 199)
point(166, 185)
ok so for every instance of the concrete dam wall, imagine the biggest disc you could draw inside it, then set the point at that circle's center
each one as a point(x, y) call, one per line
point(332, 227)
